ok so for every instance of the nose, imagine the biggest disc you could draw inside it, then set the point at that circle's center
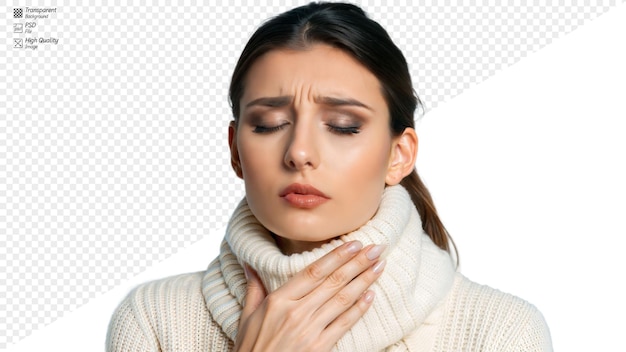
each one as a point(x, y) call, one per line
point(302, 150)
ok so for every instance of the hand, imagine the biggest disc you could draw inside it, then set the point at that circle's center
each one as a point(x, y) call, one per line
point(316, 307)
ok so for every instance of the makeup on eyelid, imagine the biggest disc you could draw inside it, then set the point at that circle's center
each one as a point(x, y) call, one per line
point(341, 125)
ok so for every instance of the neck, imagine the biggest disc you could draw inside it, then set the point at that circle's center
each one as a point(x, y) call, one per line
point(288, 246)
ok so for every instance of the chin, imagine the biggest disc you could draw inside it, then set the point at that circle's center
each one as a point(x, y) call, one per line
point(319, 235)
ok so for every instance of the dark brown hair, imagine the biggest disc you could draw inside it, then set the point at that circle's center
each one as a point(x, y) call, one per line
point(347, 27)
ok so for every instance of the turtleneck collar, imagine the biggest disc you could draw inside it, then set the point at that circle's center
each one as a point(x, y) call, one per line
point(417, 275)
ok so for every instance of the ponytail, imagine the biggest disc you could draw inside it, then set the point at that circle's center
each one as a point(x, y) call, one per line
point(431, 224)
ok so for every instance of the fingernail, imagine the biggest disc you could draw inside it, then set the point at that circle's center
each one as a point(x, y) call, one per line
point(354, 247)
point(375, 251)
point(246, 271)
point(379, 266)
point(369, 296)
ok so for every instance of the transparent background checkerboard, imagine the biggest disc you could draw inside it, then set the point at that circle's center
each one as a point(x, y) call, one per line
point(113, 151)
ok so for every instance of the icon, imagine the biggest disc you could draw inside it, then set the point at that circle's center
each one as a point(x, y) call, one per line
point(18, 43)
point(18, 13)
point(18, 27)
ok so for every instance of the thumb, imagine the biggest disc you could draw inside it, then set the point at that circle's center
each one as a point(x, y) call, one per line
point(255, 292)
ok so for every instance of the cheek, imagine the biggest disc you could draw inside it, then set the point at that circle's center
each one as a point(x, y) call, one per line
point(361, 172)
point(362, 163)
point(255, 156)
point(255, 166)
point(362, 185)
point(258, 176)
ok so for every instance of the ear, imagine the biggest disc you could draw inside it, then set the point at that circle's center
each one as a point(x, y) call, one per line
point(402, 158)
point(234, 153)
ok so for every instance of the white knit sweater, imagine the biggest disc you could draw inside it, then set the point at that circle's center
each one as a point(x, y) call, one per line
point(421, 303)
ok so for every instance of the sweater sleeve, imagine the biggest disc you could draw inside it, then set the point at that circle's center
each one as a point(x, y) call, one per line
point(166, 315)
point(480, 318)
point(535, 336)
point(125, 333)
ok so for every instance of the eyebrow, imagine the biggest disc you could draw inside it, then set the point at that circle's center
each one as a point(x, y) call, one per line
point(274, 102)
point(281, 101)
point(332, 101)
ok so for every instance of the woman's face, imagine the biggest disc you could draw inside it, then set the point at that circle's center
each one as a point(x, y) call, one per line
point(313, 144)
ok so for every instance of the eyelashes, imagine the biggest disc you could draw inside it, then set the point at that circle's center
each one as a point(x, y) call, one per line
point(265, 129)
point(344, 130)
point(341, 130)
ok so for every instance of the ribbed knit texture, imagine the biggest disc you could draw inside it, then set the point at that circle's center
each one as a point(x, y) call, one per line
point(166, 315)
point(484, 319)
point(407, 291)
point(420, 304)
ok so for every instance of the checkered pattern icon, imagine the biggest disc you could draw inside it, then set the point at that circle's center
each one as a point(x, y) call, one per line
point(18, 13)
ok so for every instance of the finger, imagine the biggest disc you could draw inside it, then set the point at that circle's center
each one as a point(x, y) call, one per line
point(315, 273)
point(347, 297)
point(344, 322)
point(337, 280)
point(255, 293)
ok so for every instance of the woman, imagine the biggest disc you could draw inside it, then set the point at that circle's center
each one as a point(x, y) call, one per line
point(337, 244)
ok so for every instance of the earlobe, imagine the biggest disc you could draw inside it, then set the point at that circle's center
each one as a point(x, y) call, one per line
point(235, 162)
point(402, 158)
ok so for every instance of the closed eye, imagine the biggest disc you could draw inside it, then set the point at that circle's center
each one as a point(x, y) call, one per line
point(268, 129)
point(344, 130)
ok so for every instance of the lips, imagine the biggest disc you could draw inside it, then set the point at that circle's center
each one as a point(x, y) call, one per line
point(303, 196)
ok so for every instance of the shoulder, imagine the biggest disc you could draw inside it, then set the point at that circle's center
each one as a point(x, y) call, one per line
point(184, 286)
point(167, 314)
point(478, 317)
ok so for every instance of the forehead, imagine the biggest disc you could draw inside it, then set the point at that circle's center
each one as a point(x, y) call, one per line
point(318, 70)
